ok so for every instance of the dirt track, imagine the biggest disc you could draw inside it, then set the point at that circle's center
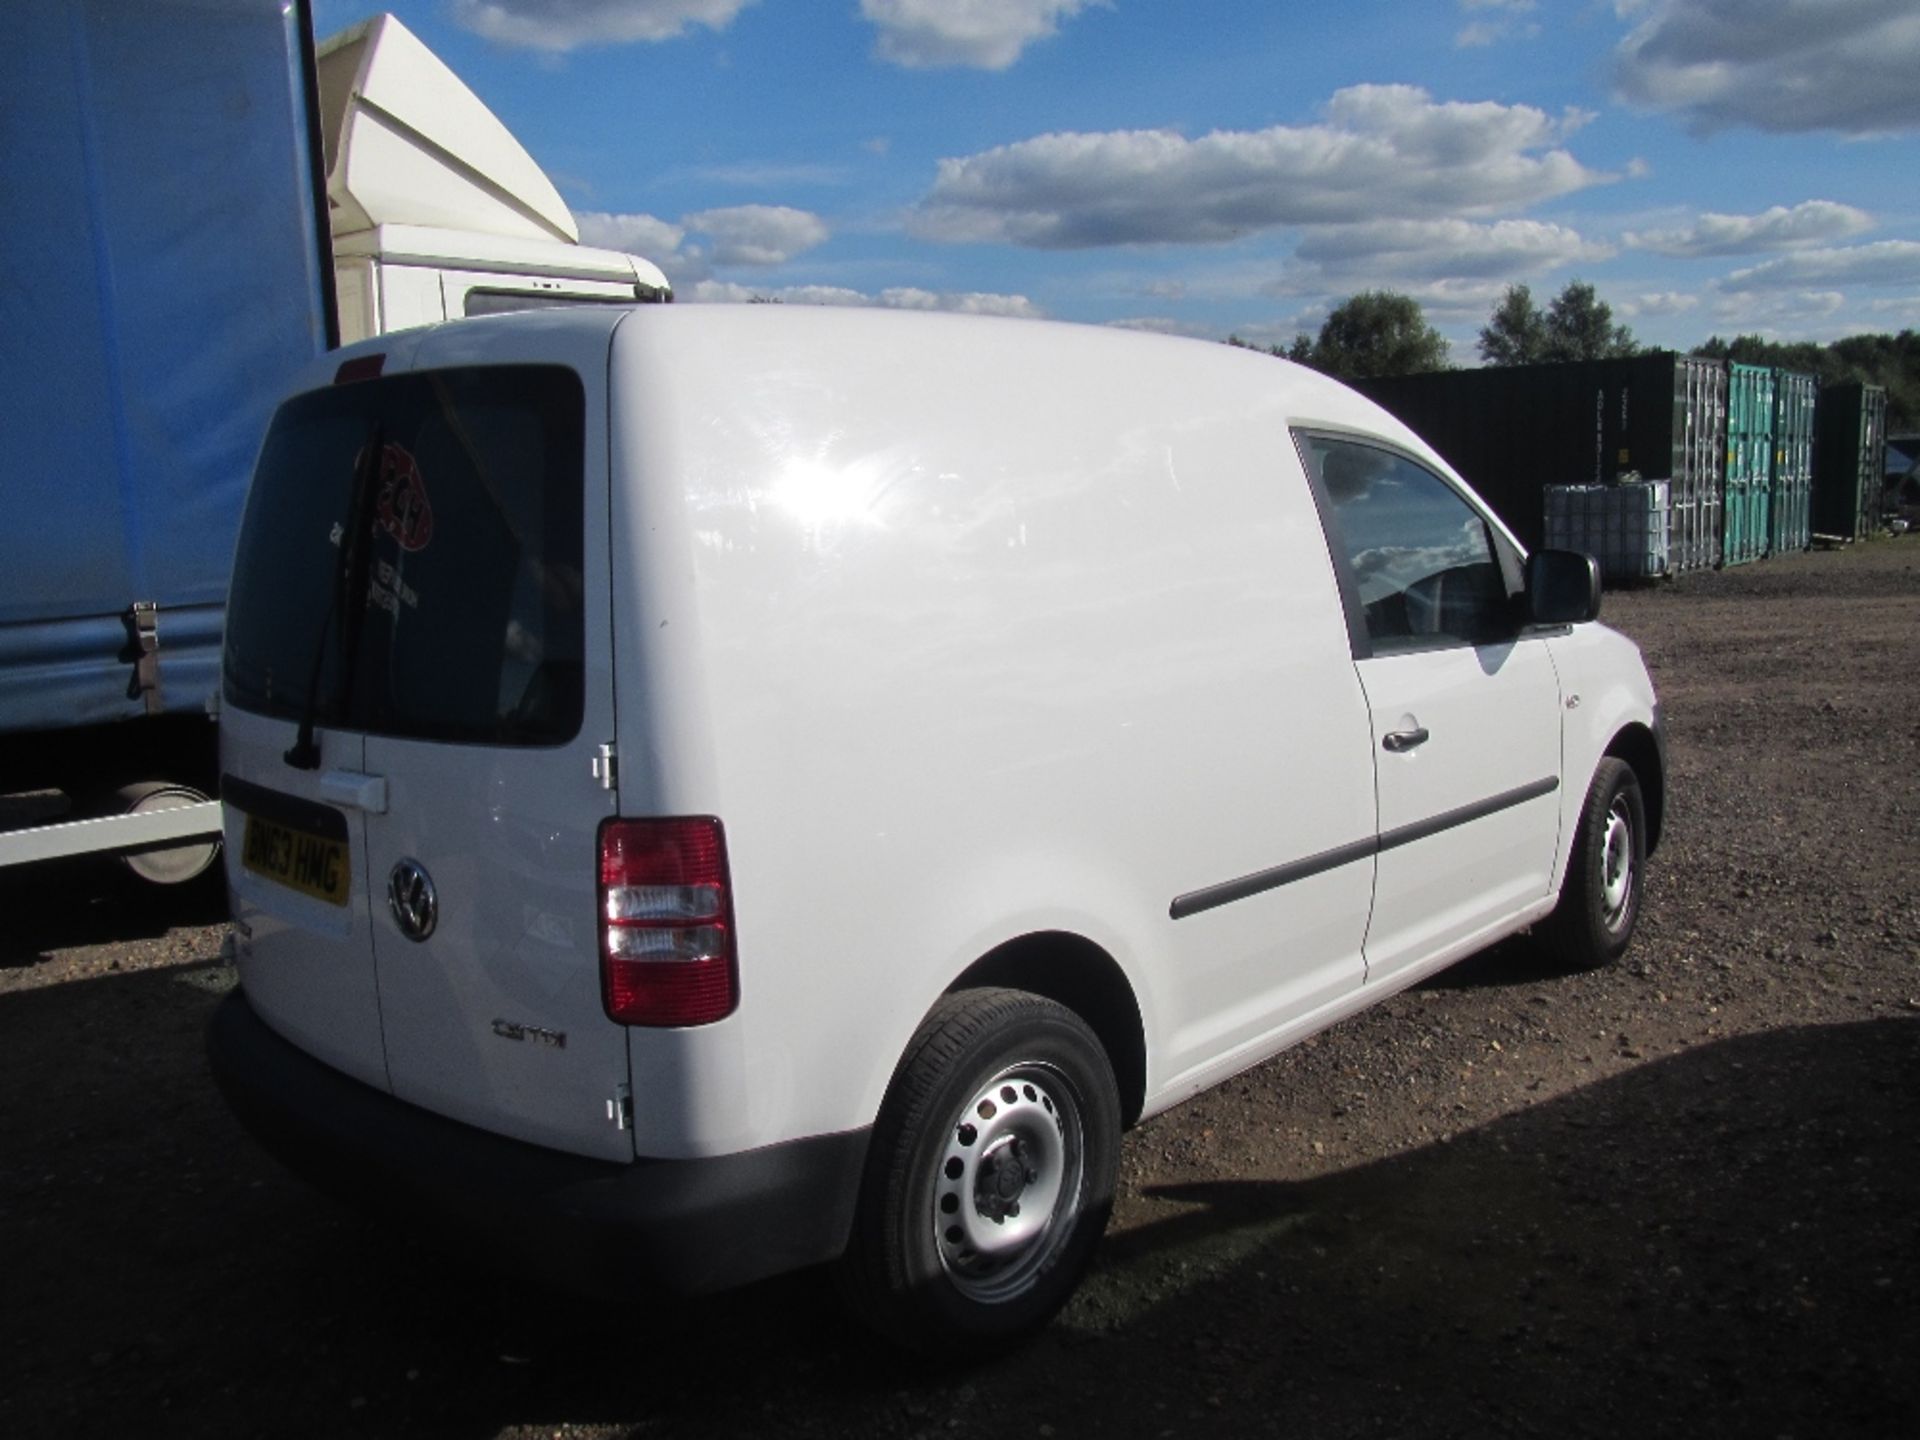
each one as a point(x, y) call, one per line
point(1681, 1196)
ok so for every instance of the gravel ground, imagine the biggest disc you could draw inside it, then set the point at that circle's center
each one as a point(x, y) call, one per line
point(1675, 1197)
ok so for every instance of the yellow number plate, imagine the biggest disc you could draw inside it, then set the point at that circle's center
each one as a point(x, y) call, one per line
point(311, 864)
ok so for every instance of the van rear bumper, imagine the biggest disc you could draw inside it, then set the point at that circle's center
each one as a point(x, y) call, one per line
point(690, 1225)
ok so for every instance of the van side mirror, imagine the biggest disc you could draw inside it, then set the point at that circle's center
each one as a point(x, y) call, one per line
point(1563, 587)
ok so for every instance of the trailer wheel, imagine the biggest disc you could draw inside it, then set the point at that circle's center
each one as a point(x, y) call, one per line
point(174, 864)
point(990, 1175)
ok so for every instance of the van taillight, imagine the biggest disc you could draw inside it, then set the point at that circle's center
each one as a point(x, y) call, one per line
point(666, 922)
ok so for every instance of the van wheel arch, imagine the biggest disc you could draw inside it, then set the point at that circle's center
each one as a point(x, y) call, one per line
point(1636, 747)
point(1073, 971)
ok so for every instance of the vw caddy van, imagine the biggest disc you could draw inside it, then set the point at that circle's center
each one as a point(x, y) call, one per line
point(713, 790)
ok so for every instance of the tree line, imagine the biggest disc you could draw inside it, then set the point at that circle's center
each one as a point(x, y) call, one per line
point(1382, 332)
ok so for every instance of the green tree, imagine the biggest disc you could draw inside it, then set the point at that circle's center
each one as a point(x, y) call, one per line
point(1579, 326)
point(1517, 332)
point(1376, 332)
point(1890, 361)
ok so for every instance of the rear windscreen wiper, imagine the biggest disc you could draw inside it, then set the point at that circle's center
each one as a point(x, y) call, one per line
point(350, 581)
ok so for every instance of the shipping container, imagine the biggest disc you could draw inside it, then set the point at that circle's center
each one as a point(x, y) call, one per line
point(1849, 460)
point(1512, 431)
point(1749, 463)
point(1624, 527)
point(1794, 395)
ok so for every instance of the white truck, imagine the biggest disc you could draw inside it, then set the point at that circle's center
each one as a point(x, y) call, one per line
point(186, 188)
point(437, 211)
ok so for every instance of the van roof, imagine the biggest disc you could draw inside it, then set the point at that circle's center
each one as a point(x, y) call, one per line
point(803, 338)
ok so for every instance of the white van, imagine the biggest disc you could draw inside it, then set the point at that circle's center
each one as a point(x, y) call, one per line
point(713, 789)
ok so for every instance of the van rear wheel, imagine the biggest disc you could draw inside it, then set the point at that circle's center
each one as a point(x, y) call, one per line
point(990, 1175)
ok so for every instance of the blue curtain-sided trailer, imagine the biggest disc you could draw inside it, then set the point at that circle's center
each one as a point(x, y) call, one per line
point(167, 274)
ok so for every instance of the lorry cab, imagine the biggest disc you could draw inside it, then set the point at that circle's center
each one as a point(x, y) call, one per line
point(437, 211)
point(393, 277)
point(767, 785)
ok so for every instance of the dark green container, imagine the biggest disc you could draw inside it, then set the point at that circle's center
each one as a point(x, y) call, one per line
point(1749, 493)
point(1849, 456)
point(1791, 519)
point(1512, 431)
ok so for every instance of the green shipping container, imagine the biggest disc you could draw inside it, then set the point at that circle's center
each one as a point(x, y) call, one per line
point(1514, 430)
point(1791, 519)
point(1749, 492)
point(1848, 459)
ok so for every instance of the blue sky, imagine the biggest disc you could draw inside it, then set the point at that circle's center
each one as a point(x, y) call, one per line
point(1210, 167)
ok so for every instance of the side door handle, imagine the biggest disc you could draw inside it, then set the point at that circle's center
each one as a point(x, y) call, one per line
point(355, 790)
point(1398, 742)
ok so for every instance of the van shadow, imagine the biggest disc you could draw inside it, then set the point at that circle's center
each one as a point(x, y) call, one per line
point(94, 900)
point(1518, 960)
point(1718, 1243)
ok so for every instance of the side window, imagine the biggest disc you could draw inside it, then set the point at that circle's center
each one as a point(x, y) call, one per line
point(1423, 559)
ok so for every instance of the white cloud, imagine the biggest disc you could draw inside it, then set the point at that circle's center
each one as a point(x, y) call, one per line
point(1457, 301)
point(758, 234)
point(737, 235)
point(901, 298)
point(1885, 262)
point(1505, 24)
point(1779, 65)
point(661, 241)
point(561, 25)
point(1663, 302)
point(1166, 325)
point(638, 234)
point(1381, 149)
point(1809, 223)
point(982, 34)
point(1803, 315)
point(1391, 250)
point(970, 302)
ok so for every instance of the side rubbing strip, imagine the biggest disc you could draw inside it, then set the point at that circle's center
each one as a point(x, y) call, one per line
point(1466, 814)
point(1194, 901)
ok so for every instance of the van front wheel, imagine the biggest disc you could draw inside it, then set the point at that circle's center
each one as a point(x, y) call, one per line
point(1600, 898)
point(990, 1175)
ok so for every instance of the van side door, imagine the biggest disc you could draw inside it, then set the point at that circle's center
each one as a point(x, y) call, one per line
point(1465, 704)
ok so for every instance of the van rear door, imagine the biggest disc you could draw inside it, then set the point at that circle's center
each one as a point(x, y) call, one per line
point(418, 888)
point(485, 716)
point(295, 838)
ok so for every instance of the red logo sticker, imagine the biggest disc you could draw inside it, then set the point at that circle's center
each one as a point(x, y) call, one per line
point(404, 511)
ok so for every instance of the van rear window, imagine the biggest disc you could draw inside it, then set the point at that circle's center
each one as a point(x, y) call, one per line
point(458, 616)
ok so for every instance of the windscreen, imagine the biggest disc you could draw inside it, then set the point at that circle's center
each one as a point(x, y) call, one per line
point(457, 616)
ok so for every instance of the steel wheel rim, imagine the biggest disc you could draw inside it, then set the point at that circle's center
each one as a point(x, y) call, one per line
point(1008, 1181)
point(1616, 865)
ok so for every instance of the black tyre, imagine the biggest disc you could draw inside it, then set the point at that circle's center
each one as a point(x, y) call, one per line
point(1600, 898)
point(990, 1175)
